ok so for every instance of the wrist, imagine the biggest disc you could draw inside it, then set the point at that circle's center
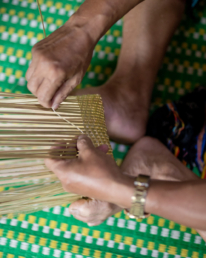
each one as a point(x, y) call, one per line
point(124, 190)
point(155, 196)
point(94, 23)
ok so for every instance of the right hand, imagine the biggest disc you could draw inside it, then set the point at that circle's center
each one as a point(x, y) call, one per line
point(59, 63)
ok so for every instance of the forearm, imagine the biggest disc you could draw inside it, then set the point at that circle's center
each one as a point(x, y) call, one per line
point(96, 17)
point(182, 202)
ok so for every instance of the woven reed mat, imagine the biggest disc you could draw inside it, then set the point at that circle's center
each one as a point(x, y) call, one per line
point(53, 232)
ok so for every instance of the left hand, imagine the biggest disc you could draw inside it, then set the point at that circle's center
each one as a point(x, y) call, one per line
point(145, 157)
point(93, 174)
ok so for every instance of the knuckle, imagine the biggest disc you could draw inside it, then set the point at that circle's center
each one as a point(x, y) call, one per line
point(56, 74)
point(57, 69)
point(35, 50)
point(62, 96)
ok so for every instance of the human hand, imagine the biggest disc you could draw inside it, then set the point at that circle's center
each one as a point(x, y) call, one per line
point(59, 63)
point(149, 157)
point(93, 174)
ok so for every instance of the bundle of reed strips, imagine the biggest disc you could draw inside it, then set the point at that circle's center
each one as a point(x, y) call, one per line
point(27, 134)
point(27, 185)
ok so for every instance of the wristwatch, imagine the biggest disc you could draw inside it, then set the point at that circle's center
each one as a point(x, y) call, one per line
point(139, 197)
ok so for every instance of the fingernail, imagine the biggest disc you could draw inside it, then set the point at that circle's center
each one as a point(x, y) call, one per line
point(94, 224)
point(55, 106)
point(74, 212)
point(90, 224)
point(81, 136)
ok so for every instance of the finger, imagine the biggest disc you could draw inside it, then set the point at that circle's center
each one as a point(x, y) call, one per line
point(104, 148)
point(64, 91)
point(34, 83)
point(84, 144)
point(47, 89)
point(57, 166)
point(30, 70)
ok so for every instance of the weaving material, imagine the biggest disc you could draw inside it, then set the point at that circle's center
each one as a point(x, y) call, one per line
point(54, 232)
point(28, 131)
point(30, 186)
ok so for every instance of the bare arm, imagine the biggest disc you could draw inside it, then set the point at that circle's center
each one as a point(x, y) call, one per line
point(95, 174)
point(98, 16)
point(183, 202)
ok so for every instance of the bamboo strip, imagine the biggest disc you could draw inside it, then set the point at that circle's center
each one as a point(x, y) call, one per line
point(27, 133)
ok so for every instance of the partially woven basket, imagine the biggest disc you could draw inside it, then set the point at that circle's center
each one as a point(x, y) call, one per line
point(29, 133)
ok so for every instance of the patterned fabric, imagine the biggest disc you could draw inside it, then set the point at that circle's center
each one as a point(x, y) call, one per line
point(180, 125)
point(54, 233)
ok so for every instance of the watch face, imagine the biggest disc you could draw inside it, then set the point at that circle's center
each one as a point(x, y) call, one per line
point(137, 210)
point(138, 200)
point(129, 214)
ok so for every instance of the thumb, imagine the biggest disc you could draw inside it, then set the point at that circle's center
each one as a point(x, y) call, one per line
point(104, 148)
point(58, 166)
point(84, 143)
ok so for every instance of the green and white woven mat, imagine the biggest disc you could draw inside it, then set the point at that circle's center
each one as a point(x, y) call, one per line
point(54, 232)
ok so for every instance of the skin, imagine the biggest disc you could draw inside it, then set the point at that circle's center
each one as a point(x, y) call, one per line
point(126, 95)
point(94, 212)
point(60, 61)
point(94, 172)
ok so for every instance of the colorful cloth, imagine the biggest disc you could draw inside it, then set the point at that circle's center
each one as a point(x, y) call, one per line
point(180, 125)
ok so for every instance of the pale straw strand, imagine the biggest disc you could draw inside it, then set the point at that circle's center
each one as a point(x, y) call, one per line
point(67, 120)
point(42, 21)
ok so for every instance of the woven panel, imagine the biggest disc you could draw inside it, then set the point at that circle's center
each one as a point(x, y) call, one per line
point(27, 130)
point(54, 233)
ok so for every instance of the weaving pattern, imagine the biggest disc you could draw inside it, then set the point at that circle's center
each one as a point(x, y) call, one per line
point(25, 124)
point(54, 232)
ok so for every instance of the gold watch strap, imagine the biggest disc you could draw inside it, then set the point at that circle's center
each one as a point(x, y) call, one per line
point(139, 198)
